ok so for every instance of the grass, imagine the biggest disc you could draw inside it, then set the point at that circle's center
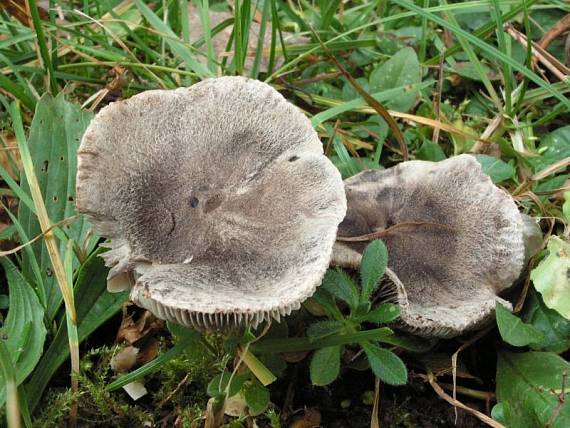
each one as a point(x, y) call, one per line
point(446, 78)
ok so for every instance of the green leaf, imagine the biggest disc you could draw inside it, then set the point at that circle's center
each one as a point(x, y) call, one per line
point(430, 151)
point(54, 138)
point(528, 387)
point(325, 328)
point(94, 306)
point(24, 328)
point(552, 277)
point(385, 313)
point(325, 365)
point(495, 168)
point(372, 267)
point(553, 147)
point(257, 398)
point(386, 365)
point(554, 327)
point(513, 330)
point(402, 69)
point(340, 285)
point(325, 301)
point(218, 385)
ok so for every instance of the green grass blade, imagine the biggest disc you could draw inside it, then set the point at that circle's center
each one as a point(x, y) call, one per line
point(173, 41)
point(503, 47)
point(476, 63)
point(204, 10)
point(261, 39)
point(486, 48)
point(18, 92)
point(44, 52)
point(485, 30)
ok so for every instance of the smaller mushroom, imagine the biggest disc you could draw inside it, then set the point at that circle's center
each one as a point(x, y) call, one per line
point(220, 207)
point(455, 240)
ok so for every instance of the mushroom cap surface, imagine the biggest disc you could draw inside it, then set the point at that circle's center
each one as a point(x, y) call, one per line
point(448, 276)
point(220, 206)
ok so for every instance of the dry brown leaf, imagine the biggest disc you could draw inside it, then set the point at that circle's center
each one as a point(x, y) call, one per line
point(132, 331)
point(311, 419)
point(9, 152)
point(148, 352)
point(19, 10)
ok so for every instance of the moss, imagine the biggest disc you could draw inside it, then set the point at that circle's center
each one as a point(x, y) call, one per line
point(177, 393)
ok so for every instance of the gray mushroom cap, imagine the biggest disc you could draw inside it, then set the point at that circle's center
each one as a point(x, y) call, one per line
point(464, 246)
point(220, 206)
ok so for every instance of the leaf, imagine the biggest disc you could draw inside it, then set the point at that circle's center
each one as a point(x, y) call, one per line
point(496, 169)
point(256, 398)
point(528, 387)
point(326, 303)
point(94, 306)
point(386, 365)
point(430, 151)
point(385, 313)
point(325, 365)
point(372, 267)
point(513, 330)
point(553, 147)
point(554, 327)
point(340, 285)
point(403, 69)
point(54, 138)
point(552, 277)
point(218, 385)
point(24, 328)
point(325, 328)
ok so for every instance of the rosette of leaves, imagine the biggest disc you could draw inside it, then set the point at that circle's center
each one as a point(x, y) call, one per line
point(360, 301)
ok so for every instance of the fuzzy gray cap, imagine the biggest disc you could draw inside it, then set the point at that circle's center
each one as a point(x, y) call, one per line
point(220, 206)
point(447, 277)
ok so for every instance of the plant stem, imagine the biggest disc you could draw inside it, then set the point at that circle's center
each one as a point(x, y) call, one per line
point(12, 406)
point(262, 373)
point(297, 344)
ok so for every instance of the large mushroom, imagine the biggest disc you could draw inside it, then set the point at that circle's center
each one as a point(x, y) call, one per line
point(455, 240)
point(220, 208)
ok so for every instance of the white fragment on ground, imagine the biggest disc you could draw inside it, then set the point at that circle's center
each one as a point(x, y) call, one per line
point(135, 390)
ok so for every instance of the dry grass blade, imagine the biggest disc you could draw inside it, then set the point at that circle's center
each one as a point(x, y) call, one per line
point(481, 416)
point(38, 237)
point(556, 30)
point(382, 233)
point(563, 163)
point(374, 421)
point(436, 124)
point(45, 224)
point(541, 54)
point(380, 109)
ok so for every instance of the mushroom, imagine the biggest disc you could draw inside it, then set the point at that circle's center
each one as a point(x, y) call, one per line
point(220, 208)
point(455, 240)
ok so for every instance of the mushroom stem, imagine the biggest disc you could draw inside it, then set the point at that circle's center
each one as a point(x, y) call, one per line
point(262, 373)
